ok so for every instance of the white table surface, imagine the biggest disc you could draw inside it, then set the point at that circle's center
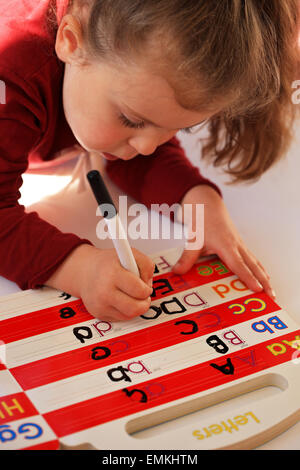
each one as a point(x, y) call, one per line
point(267, 214)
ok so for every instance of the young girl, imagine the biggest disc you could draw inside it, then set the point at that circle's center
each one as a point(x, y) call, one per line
point(121, 78)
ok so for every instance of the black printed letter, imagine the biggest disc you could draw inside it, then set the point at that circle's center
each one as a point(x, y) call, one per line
point(123, 371)
point(217, 344)
point(103, 356)
point(226, 369)
point(80, 336)
point(129, 393)
point(188, 322)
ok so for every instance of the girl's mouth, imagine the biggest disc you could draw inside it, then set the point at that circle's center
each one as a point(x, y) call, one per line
point(108, 156)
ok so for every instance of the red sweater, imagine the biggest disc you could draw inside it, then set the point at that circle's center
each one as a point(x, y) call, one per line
point(33, 127)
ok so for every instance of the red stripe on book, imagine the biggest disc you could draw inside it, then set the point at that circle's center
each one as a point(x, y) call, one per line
point(104, 353)
point(42, 321)
point(168, 388)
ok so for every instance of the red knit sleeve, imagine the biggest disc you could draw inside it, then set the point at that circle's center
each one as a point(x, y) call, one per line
point(163, 177)
point(30, 248)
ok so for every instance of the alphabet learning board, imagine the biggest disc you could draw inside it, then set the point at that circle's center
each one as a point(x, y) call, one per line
point(68, 379)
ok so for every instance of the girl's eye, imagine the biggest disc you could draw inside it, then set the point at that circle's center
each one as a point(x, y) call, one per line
point(194, 129)
point(187, 130)
point(133, 125)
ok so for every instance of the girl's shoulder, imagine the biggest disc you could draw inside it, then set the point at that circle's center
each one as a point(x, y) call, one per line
point(26, 39)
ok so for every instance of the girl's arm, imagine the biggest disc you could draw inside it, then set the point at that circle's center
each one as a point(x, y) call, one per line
point(31, 249)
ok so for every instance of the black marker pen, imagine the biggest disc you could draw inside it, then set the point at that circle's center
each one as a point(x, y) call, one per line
point(113, 222)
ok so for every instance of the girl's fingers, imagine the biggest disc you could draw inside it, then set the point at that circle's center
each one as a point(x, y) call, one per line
point(237, 264)
point(133, 286)
point(249, 270)
point(123, 308)
point(258, 270)
point(112, 314)
point(261, 266)
point(186, 261)
point(128, 306)
point(145, 265)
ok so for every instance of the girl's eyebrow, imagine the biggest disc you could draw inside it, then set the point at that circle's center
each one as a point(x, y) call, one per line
point(147, 121)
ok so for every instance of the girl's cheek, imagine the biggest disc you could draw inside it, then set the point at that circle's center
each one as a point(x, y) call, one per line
point(101, 137)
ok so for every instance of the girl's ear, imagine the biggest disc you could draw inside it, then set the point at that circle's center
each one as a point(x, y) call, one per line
point(69, 43)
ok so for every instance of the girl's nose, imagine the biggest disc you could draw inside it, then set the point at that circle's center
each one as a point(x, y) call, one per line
point(143, 145)
point(147, 144)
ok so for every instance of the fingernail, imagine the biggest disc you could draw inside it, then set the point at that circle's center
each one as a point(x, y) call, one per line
point(259, 285)
point(273, 294)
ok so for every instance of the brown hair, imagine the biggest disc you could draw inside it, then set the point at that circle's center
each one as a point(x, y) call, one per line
point(240, 54)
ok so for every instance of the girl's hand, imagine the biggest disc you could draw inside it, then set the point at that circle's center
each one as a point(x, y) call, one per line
point(221, 238)
point(108, 291)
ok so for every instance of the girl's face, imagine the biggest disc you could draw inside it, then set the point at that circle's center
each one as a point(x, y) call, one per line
point(121, 110)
